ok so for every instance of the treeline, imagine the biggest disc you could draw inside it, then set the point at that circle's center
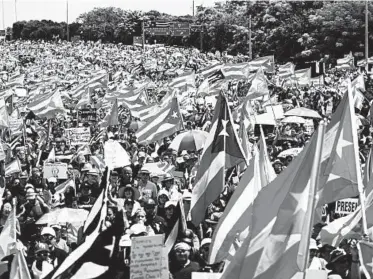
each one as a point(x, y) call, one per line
point(296, 31)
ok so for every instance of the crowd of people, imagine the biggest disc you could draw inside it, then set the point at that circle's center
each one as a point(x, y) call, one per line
point(148, 201)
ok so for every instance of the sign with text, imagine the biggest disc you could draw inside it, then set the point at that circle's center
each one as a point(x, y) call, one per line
point(149, 258)
point(88, 114)
point(78, 136)
point(58, 170)
point(181, 29)
point(346, 206)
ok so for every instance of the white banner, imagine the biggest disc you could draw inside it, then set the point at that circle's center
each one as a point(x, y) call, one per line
point(346, 206)
point(58, 170)
point(78, 136)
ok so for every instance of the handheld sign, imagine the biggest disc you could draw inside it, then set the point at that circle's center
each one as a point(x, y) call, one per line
point(149, 258)
point(346, 206)
point(78, 136)
point(57, 170)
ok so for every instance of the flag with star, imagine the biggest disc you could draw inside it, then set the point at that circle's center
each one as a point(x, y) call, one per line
point(366, 257)
point(280, 222)
point(222, 151)
point(163, 124)
point(95, 258)
point(338, 173)
point(9, 104)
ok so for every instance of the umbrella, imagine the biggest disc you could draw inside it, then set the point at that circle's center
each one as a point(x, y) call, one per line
point(191, 140)
point(289, 152)
point(303, 112)
point(64, 215)
point(294, 119)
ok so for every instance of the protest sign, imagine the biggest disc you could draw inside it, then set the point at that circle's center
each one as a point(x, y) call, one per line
point(277, 110)
point(149, 258)
point(346, 206)
point(87, 114)
point(115, 155)
point(78, 136)
point(205, 275)
point(15, 124)
point(58, 170)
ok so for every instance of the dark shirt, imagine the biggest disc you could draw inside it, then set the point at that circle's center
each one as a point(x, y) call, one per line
point(58, 256)
point(157, 223)
point(186, 272)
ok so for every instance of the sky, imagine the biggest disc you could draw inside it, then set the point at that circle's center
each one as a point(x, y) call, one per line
point(56, 9)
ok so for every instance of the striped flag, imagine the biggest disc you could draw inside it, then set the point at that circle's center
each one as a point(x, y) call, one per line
point(47, 106)
point(259, 86)
point(98, 81)
point(347, 62)
point(186, 79)
point(179, 227)
point(61, 189)
point(366, 258)
point(12, 167)
point(210, 70)
point(266, 62)
point(236, 71)
point(4, 116)
point(19, 268)
point(163, 124)
point(8, 235)
point(286, 71)
point(16, 81)
point(85, 98)
point(222, 150)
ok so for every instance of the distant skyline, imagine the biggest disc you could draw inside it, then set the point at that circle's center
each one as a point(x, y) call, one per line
point(56, 9)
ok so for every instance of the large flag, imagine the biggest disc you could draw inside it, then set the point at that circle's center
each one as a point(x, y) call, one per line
point(286, 71)
point(236, 71)
point(163, 124)
point(13, 167)
point(186, 79)
point(4, 117)
point(95, 257)
point(179, 226)
point(210, 70)
point(97, 214)
point(266, 62)
point(366, 258)
point(267, 172)
point(19, 268)
point(222, 151)
point(8, 236)
point(259, 86)
point(100, 80)
point(47, 105)
point(281, 222)
point(112, 118)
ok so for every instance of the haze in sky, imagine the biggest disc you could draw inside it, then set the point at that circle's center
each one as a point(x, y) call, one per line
point(56, 9)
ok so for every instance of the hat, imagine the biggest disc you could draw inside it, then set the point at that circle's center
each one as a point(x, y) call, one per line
point(28, 186)
point(114, 173)
point(187, 195)
point(41, 247)
point(335, 256)
point(52, 180)
point(23, 175)
point(48, 231)
point(164, 193)
point(277, 161)
point(125, 241)
point(93, 171)
point(182, 246)
point(205, 241)
point(313, 245)
point(138, 229)
point(170, 203)
point(168, 177)
point(87, 167)
point(150, 202)
point(56, 226)
point(144, 171)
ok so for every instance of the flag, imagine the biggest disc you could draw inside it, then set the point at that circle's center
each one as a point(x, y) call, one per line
point(236, 71)
point(280, 222)
point(85, 99)
point(101, 80)
point(267, 172)
point(338, 174)
point(48, 105)
point(163, 124)
point(12, 167)
point(112, 118)
point(52, 156)
point(259, 86)
point(97, 214)
point(266, 62)
point(8, 236)
point(61, 189)
point(346, 63)
point(16, 81)
point(95, 257)
point(237, 212)
point(368, 168)
point(115, 155)
point(19, 268)
point(210, 70)
point(98, 162)
point(186, 79)
point(286, 71)
point(178, 228)
point(9, 104)
point(4, 116)
point(366, 257)
point(222, 151)
point(203, 89)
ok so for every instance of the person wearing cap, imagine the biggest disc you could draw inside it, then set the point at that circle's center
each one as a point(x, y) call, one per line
point(342, 265)
point(34, 207)
point(163, 197)
point(183, 266)
point(147, 189)
point(93, 180)
point(314, 262)
point(156, 222)
point(85, 199)
point(41, 267)
point(57, 255)
point(23, 178)
point(203, 256)
point(60, 242)
point(278, 166)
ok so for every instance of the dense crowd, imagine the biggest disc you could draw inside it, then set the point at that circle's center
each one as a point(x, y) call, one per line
point(147, 200)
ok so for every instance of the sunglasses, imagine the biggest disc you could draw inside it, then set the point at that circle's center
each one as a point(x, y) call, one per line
point(43, 254)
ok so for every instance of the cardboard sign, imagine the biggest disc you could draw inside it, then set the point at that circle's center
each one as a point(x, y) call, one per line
point(346, 206)
point(149, 258)
point(58, 170)
point(205, 275)
point(15, 124)
point(88, 114)
point(78, 136)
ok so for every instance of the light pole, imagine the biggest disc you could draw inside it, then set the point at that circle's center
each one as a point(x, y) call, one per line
point(67, 20)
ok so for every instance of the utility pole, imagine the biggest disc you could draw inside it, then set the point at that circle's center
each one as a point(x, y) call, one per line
point(193, 8)
point(67, 21)
point(15, 9)
point(201, 38)
point(366, 36)
point(2, 8)
point(250, 41)
point(143, 34)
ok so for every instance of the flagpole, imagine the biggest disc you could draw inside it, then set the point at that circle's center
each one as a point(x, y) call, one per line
point(303, 252)
point(2, 8)
point(366, 36)
point(67, 21)
point(357, 160)
point(15, 9)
